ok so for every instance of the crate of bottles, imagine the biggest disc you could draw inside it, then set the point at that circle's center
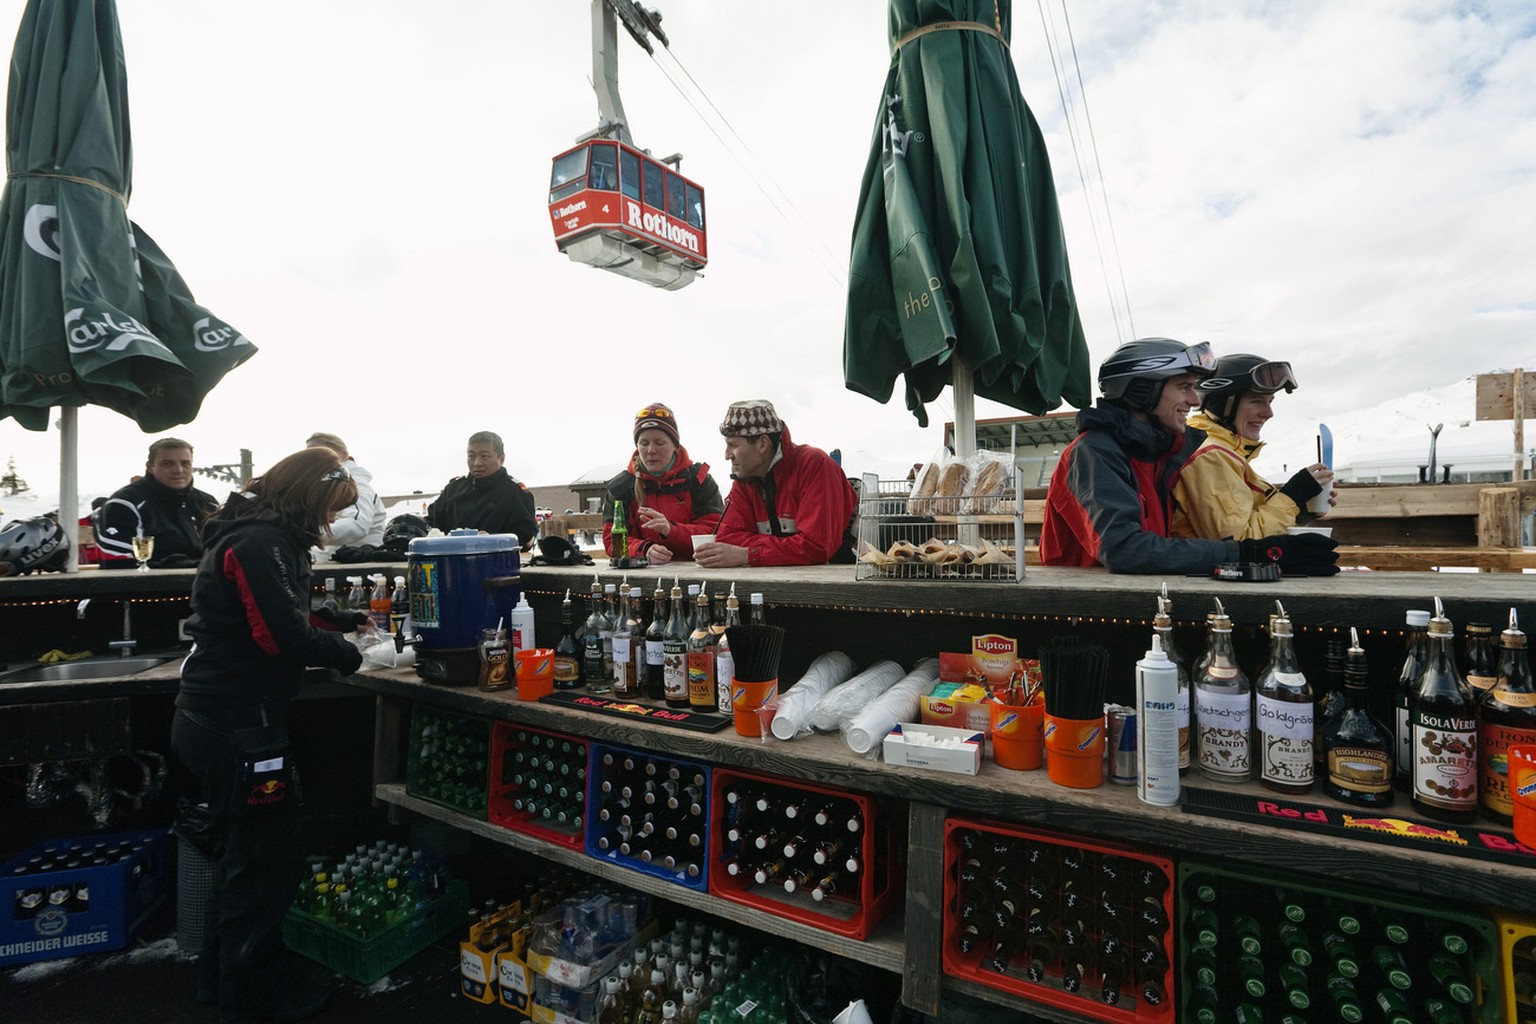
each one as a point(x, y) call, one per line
point(1517, 949)
point(376, 941)
point(447, 759)
point(1077, 924)
point(72, 896)
point(820, 856)
point(649, 813)
point(1254, 944)
point(539, 784)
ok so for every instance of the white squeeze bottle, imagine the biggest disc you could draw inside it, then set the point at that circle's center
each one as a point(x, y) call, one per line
point(522, 626)
point(1157, 727)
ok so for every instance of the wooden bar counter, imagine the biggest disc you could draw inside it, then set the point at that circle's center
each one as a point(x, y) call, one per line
point(824, 607)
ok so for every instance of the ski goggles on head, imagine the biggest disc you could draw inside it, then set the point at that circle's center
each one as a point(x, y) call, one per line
point(1200, 356)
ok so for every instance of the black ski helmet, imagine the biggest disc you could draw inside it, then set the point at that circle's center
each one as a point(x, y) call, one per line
point(34, 545)
point(1240, 374)
point(1134, 373)
point(402, 529)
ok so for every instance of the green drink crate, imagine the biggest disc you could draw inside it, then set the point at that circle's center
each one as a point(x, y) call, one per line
point(1082, 925)
point(860, 856)
point(1517, 956)
point(1283, 944)
point(366, 960)
point(448, 760)
point(539, 783)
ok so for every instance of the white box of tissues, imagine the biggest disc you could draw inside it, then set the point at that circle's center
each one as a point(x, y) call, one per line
point(937, 747)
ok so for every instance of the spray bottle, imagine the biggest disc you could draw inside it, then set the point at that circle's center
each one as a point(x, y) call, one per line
point(1157, 727)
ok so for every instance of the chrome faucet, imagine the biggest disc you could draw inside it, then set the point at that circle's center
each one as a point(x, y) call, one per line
point(126, 645)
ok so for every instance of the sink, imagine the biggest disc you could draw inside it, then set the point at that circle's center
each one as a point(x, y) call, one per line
point(87, 668)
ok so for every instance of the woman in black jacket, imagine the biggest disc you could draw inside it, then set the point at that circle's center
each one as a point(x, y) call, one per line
point(253, 639)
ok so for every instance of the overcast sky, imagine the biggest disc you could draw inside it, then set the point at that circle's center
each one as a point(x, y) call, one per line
point(360, 188)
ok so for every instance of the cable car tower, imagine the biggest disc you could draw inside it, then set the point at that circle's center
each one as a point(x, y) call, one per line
point(614, 206)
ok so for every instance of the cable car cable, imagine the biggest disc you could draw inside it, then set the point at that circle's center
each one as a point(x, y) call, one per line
point(748, 149)
point(1082, 177)
point(1093, 141)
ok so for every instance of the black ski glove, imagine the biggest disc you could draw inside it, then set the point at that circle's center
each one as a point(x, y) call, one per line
point(341, 620)
point(1301, 554)
point(1301, 488)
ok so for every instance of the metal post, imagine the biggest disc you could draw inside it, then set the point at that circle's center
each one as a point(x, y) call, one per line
point(605, 69)
point(69, 483)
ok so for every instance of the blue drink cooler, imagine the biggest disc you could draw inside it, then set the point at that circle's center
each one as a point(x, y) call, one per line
point(459, 585)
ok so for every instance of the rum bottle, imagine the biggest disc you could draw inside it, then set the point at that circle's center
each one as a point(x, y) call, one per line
point(592, 674)
point(1443, 715)
point(701, 658)
point(725, 661)
point(1482, 661)
point(1506, 717)
point(1413, 666)
point(1284, 702)
point(1222, 711)
point(1358, 749)
point(675, 653)
point(625, 626)
point(655, 644)
point(567, 654)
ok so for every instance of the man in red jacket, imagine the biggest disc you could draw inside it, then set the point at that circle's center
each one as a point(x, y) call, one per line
point(790, 503)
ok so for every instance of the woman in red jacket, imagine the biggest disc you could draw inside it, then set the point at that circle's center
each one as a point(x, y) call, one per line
point(668, 498)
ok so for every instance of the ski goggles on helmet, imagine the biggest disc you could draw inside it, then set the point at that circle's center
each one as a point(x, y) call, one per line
point(1139, 359)
point(1273, 377)
point(1264, 378)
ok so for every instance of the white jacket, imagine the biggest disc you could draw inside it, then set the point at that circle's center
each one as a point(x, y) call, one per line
point(362, 522)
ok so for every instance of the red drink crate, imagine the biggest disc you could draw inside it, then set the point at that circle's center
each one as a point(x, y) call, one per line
point(825, 857)
point(539, 783)
point(1081, 925)
point(70, 896)
point(1517, 935)
point(1282, 944)
point(447, 759)
point(649, 813)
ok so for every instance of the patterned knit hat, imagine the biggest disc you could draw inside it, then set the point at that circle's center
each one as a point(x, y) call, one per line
point(751, 418)
point(657, 417)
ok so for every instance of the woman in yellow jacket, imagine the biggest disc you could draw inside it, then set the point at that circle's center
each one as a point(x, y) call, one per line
point(1218, 494)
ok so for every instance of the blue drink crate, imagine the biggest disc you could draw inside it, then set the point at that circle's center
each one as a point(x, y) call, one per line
point(366, 960)
point(72, 896)
point(667, 804)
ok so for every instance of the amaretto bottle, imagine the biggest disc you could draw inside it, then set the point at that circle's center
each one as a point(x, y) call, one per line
point(1442, 713)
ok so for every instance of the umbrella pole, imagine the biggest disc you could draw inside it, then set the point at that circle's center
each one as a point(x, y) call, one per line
point(69, 486)
point(964, 386)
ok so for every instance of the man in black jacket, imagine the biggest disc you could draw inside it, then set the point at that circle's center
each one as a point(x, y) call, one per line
point(163, 505)
point(488, 499)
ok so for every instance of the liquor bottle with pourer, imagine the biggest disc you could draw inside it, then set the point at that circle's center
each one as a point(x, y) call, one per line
point(1357, 748)
point(1443, 716)
point(1507, 717)
point(1222, 708)
point(1284, 706)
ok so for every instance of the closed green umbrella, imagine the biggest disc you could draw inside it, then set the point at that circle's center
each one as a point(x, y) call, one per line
point(958, 252)
point(91, 310)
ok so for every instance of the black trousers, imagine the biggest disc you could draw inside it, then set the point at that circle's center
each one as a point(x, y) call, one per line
point(260, 865)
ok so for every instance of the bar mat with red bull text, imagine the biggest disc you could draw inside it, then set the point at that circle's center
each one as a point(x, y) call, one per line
point(633, 710)
point(1387, 825)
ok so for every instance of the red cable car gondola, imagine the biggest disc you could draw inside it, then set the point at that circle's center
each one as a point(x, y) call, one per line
point(616, 208)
